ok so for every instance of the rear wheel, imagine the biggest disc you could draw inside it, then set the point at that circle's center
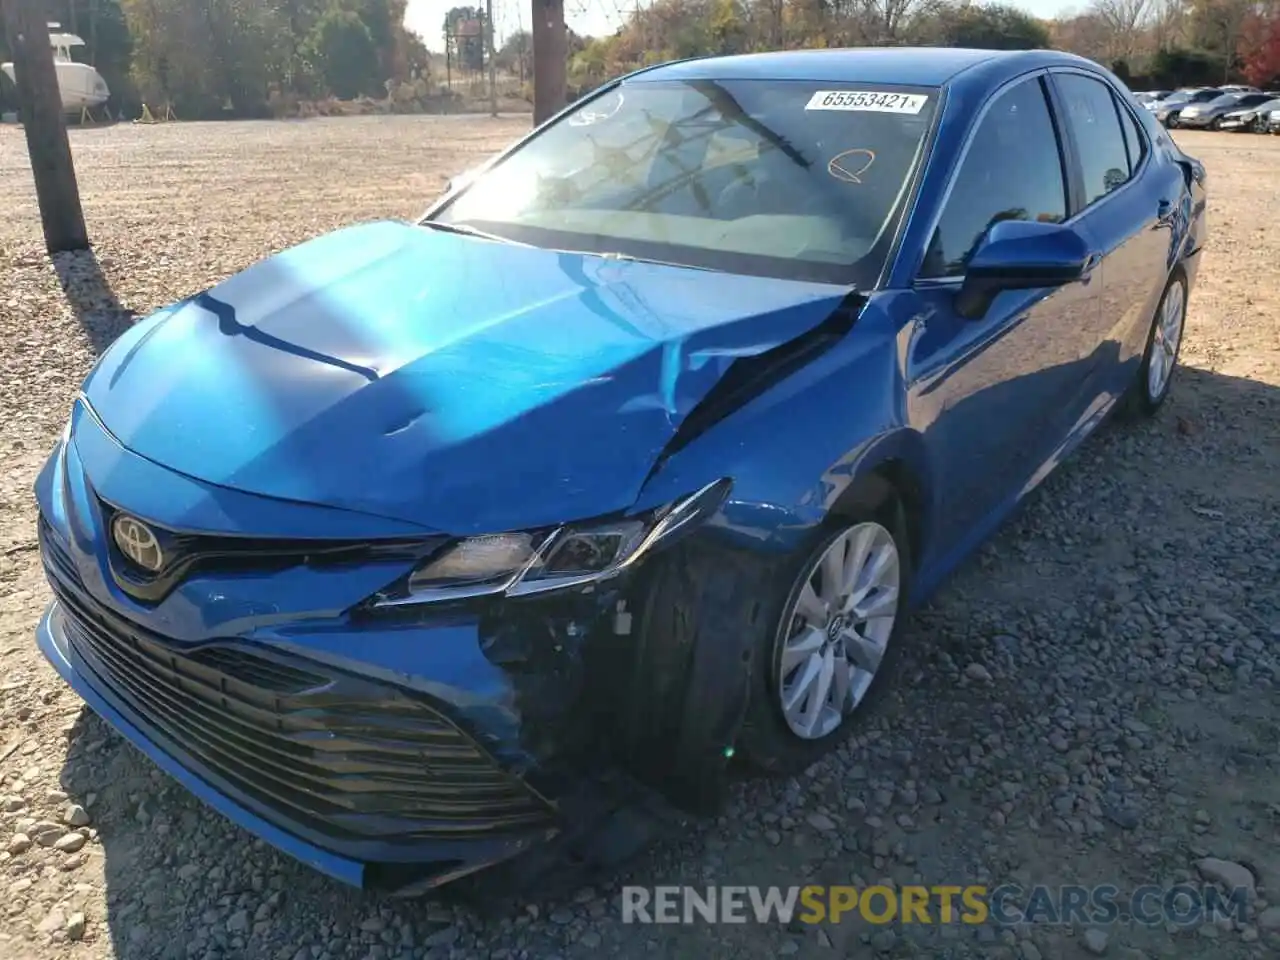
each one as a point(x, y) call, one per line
point(1215, 123)
point(1171, 121)
point(833, 640)
point(1164, 342)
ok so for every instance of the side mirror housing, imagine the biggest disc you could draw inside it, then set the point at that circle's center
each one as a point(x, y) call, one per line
point(1022, 255)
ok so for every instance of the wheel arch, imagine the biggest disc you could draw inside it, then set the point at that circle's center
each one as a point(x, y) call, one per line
point(895, 468)
point(892, 479)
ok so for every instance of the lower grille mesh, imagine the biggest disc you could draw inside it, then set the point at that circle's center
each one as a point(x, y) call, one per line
point(344, 756)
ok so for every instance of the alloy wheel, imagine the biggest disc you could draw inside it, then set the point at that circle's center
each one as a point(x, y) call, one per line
point(1166, 336)
point(836, 629)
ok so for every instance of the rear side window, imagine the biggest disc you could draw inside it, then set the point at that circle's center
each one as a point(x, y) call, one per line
point(1012, 171)
point(1091, 116)
point(1135, 144)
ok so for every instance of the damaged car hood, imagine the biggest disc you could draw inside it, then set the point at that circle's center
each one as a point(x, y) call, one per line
point(453, 382)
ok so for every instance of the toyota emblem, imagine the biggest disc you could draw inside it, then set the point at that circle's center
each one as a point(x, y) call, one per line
point(137, 542)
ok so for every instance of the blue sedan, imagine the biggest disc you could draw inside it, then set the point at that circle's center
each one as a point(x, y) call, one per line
point(629, 458)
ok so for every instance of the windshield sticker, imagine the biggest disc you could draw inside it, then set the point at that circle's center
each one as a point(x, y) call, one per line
point(594, 114)
point(850, 165)
point(868, 101)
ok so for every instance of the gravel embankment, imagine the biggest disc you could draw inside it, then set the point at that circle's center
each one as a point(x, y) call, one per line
point(1093, 699)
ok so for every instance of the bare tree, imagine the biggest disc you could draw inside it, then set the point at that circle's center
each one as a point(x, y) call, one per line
point(1125, 21)
point(1168, 23)
point(881, 21)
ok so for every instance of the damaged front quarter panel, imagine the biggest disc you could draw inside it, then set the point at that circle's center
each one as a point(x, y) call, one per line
point(704, 608)
point(652, 670)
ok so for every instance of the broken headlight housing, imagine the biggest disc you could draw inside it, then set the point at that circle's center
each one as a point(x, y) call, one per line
point(524, 563)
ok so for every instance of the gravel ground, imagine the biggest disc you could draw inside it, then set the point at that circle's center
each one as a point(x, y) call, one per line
point(1092, 699)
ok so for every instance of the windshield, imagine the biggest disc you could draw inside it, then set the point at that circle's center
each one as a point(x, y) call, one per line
point(799, 179)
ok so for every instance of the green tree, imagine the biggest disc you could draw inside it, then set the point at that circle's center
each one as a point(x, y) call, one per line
point(343, 52)
point(516, 54)
point(990, 27)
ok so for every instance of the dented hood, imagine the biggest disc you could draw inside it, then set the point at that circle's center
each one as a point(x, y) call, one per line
point(453, 382)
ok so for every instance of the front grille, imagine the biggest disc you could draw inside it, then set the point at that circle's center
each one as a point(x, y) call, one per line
point(186, 554)
point(344, 757)
point(55, 556)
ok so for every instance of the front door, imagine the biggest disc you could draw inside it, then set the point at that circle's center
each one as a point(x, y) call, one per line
point(981, 390)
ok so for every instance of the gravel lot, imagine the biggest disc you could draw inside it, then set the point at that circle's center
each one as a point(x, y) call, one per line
point(1093, 699)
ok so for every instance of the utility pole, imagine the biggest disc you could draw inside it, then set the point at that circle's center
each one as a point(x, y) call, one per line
point(549, 57)
point(40, 106)
point(493, 77)
point(448, 57)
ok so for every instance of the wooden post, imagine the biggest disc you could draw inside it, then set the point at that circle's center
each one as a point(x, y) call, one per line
point(549, 59)
point(40, 104)
point(493, 77)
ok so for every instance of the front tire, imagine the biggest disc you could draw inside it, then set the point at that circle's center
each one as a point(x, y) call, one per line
point(1171, 121)
point(1150, 388)
point(833, 641)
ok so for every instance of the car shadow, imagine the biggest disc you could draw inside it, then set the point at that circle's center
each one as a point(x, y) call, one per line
point(99, 311)
point(183, 881)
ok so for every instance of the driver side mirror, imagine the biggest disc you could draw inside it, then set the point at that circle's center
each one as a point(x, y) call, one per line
point(1022, 255)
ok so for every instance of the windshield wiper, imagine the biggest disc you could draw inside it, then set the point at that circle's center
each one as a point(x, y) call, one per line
point(463, 230)
point(615, 255)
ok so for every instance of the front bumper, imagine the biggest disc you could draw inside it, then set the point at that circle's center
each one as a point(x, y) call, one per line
point(1195, 122)
point(388, 752)
point(1235, 123)
point(353, 777)
point(441, 862)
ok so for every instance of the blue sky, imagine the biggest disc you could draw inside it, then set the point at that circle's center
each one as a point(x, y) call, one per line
point(595, 17)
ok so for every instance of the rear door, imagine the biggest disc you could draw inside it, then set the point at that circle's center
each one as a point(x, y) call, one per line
point(981, 390)
point(1128, 202)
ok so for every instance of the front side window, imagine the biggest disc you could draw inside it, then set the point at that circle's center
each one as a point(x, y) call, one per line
point(1091, 115)
point(1252, 100)
point(1135, 143)
point(777, 178)
point(1012, 171)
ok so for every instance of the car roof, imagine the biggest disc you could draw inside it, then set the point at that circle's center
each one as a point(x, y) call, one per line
point(912, 66)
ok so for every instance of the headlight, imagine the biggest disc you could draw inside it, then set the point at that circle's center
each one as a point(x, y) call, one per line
point(1247, 116)
point(522, 563)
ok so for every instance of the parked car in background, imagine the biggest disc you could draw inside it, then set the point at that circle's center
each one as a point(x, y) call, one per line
point(633, 452)
point(1150, 96)
point(1157, 97)
point(1168, 110)
point(1239, 88)
point(1210, 114)
point(1273, 122)
point(1251, 118)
